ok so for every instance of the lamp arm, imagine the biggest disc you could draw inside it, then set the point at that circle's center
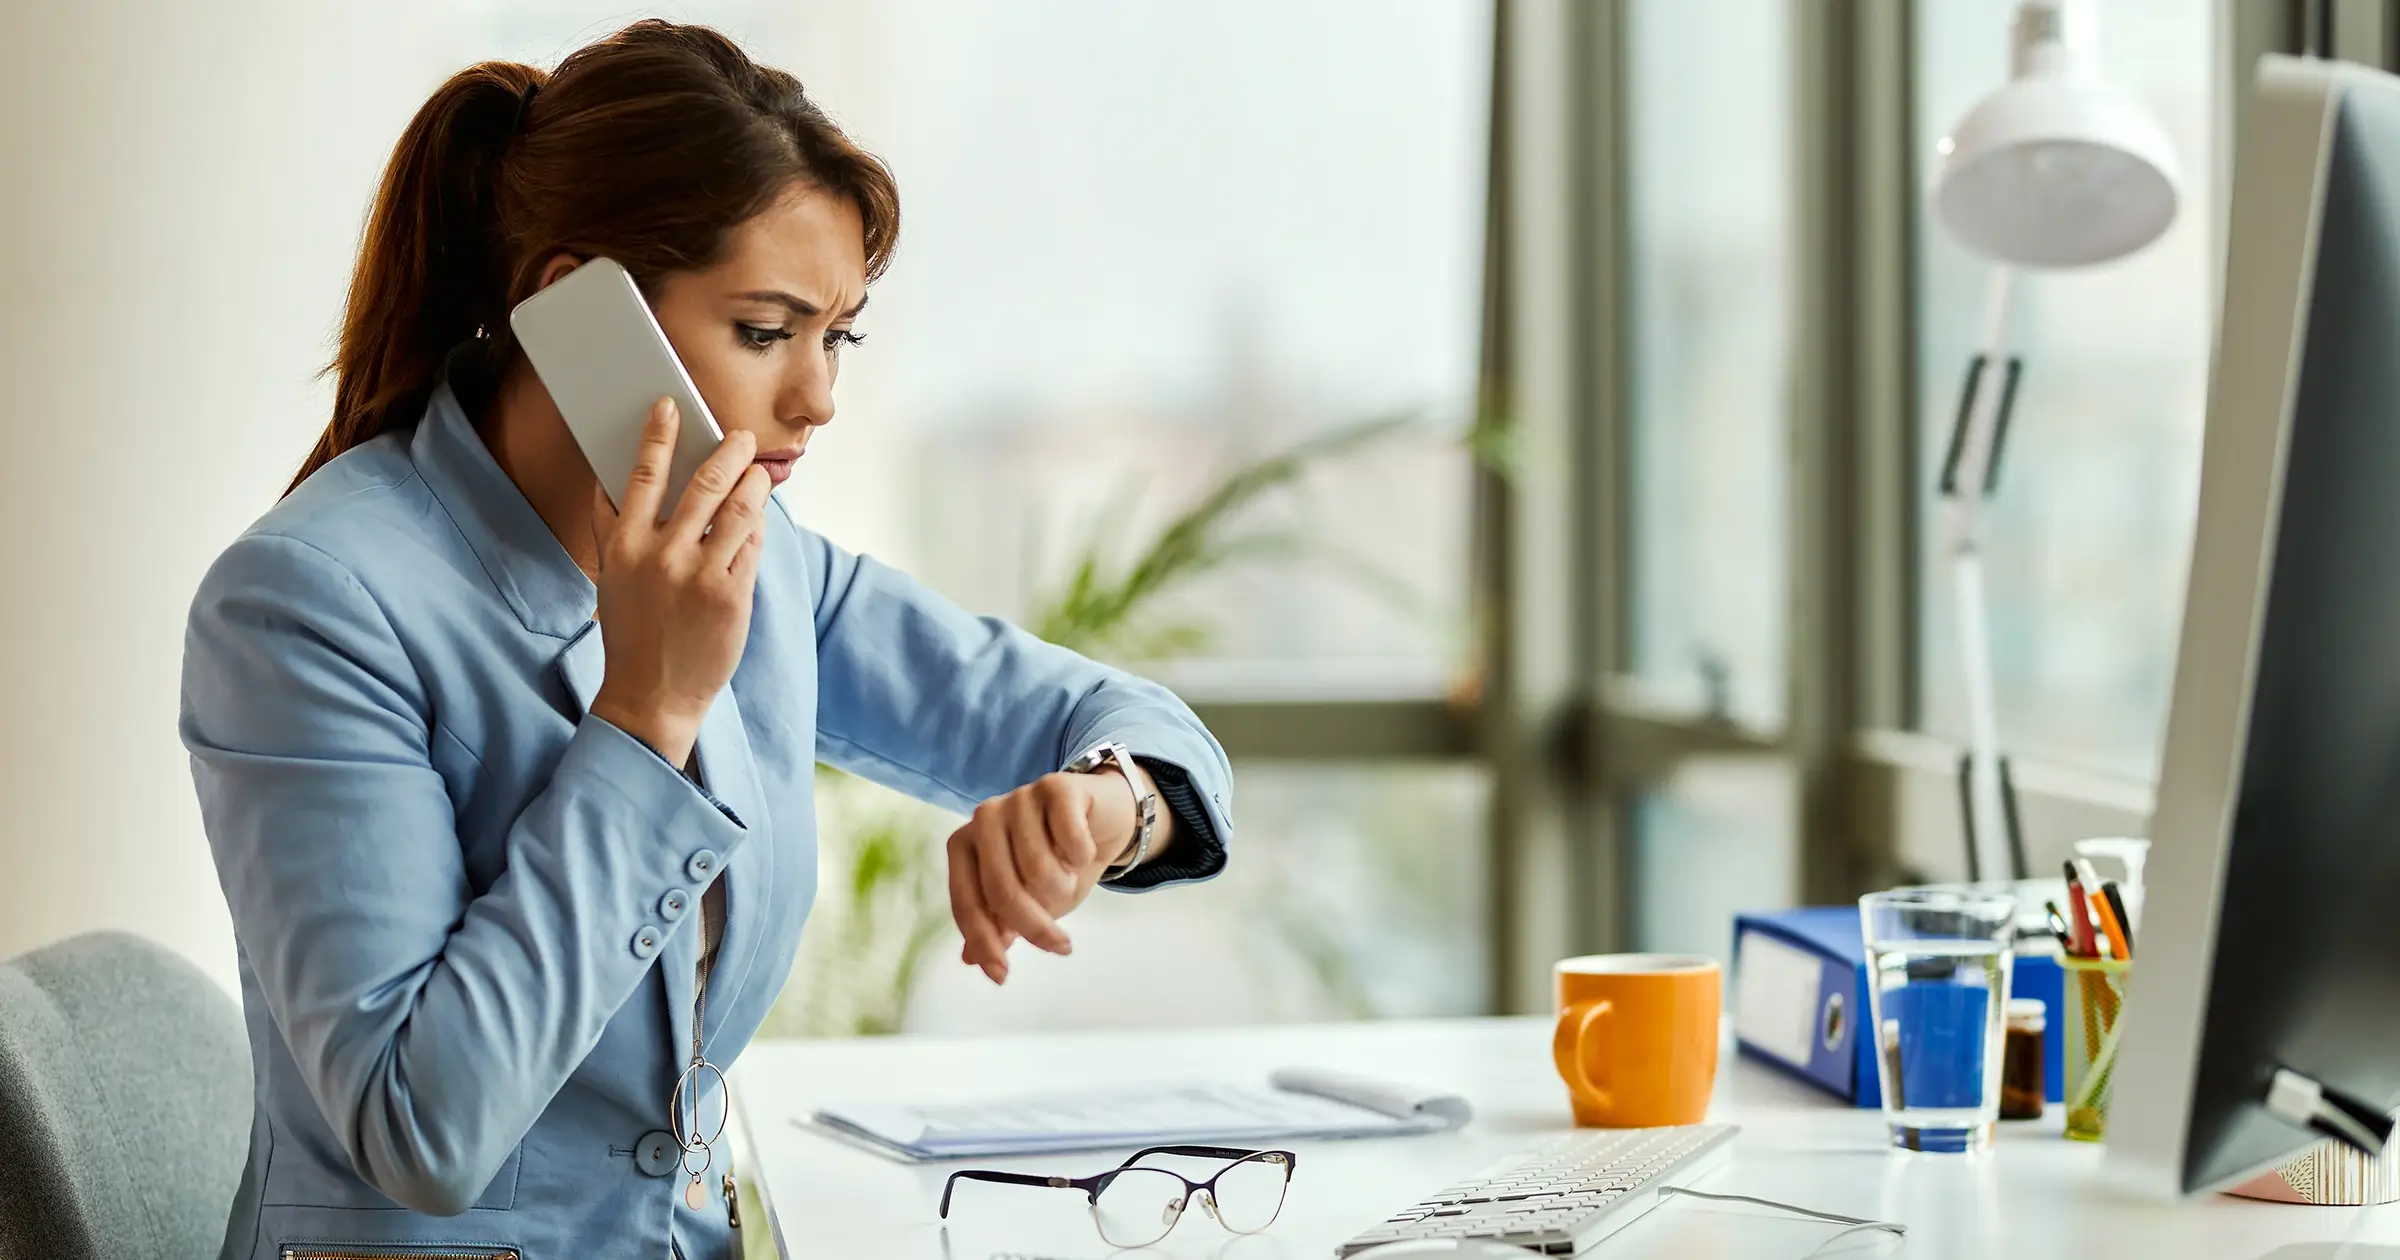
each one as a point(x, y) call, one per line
point(1967, 483)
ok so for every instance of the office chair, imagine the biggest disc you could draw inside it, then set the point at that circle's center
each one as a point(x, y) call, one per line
point(124, 1102)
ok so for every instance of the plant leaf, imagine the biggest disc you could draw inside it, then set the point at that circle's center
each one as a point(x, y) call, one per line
point(1091, 613)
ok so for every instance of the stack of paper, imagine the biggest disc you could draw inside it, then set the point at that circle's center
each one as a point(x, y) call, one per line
point(1296, 1103)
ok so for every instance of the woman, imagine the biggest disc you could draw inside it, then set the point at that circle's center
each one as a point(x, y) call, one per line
point(511, 887)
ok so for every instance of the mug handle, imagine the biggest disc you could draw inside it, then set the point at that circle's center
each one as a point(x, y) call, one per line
point(1575, 1024)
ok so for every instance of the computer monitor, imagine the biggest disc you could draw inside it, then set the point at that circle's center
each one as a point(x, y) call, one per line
point(2268, 963)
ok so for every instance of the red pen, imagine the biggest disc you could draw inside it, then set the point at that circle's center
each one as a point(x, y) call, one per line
point(2078, 905)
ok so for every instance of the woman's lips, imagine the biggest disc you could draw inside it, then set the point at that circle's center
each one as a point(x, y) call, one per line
point(778, 464)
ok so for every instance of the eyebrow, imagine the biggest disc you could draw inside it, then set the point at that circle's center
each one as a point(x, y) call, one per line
point(799, 306)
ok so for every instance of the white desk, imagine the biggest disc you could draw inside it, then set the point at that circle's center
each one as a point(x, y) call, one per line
point(2034, 1197)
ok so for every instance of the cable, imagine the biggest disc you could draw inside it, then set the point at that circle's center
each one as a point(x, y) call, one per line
point(1829, 1217)
point(1855, 1224)
point(1840, 1234)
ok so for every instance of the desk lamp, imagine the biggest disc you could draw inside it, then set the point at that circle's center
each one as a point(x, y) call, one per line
point(2058, 168)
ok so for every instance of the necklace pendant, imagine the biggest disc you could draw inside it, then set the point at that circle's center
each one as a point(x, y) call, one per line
point(695, 1195)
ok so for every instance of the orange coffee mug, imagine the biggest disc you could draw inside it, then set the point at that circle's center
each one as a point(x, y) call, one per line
point(1637, 1038)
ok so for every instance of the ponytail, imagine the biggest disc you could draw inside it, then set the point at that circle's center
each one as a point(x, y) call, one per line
point(431, 270)
point(650, 146)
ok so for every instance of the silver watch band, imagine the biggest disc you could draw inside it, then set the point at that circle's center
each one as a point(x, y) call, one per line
point(1145, 804)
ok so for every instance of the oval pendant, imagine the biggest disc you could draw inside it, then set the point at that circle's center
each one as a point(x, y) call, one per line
point(695, 1195)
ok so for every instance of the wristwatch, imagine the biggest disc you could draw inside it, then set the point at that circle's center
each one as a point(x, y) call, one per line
point(1145, 804)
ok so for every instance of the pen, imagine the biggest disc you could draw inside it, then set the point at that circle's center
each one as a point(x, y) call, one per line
point(2118, 947)
point(2058, 927)
point(2083, 946)
point(2116, 907)
point(2103, 924)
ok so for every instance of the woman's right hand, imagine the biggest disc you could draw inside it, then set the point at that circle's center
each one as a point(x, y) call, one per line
point(675, 594)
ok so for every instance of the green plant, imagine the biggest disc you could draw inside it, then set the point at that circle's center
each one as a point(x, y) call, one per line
point(1103, 615)
point(860, 958)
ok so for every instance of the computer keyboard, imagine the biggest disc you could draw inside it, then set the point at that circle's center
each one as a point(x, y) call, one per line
point(1563, 1196)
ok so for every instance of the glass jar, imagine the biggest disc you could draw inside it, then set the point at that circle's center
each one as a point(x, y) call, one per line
point(2021, 1083)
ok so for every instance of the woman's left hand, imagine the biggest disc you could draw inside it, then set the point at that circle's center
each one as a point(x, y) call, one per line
point(1028, 857)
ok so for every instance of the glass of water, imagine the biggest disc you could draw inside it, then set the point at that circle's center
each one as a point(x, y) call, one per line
point(1938, 966)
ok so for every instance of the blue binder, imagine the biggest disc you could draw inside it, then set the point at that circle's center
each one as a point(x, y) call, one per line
point(1800, 997)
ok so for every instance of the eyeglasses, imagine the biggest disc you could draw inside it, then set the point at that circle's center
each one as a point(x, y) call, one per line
point(1134, 1206)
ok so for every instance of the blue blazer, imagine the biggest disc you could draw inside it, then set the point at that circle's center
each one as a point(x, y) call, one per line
point(464, 906)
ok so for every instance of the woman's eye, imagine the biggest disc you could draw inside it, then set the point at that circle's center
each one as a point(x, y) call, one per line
point(760, 338)
point(836, 338)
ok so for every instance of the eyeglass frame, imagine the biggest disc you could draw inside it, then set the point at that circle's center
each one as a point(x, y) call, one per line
point(1095, 1184)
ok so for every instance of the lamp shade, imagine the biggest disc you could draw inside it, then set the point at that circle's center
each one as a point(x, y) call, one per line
point(2057, 168)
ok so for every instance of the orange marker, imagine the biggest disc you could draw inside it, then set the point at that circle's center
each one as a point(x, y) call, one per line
point(2101, 914)
point(2117, 948)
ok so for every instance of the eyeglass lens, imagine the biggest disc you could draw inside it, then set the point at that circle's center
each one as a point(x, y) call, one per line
point(1138, 1206)
point(1249, 1192)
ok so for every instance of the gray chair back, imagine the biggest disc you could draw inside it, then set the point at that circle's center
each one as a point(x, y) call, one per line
point(124, 1103)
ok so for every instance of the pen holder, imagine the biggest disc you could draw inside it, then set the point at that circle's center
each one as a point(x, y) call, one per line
point(2095, 998)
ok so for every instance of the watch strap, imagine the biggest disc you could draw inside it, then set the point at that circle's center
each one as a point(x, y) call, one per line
point(1145, 803)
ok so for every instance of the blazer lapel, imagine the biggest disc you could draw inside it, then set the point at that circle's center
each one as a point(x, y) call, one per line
point(730, 772)
point(583, 665)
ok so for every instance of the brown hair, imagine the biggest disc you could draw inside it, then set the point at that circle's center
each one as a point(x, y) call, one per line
point(647, 147)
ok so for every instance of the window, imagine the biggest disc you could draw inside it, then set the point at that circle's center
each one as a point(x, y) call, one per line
point(1708, 302)
point(1716, 839)
point(1707, 316)
point(1141, 244)
point(2091, 526)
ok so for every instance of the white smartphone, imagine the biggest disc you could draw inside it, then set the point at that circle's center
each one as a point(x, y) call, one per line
point(604, 359)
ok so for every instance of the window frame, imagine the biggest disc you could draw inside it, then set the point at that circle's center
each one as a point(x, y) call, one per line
point(1571, 739)
point(1905, 779)
point(1570, 736)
